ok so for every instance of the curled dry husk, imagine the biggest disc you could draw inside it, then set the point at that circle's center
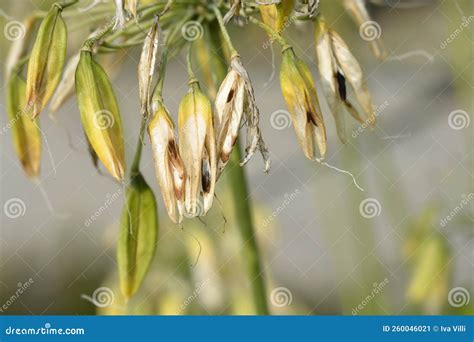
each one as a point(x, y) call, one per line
point(198, 150)
point(169, 167)
point(358, 10)
point(299, 92)
point(147, 65)
point(338, 69)
point(26, 133)
point(46, 60)
point(138, 235)
point(235, 102)
point(100, 114)
point(276, 15)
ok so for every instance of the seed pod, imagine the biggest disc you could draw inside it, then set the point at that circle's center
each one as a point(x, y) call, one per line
point(169, 167)
point(138, 235)
point(339, 68)
point(276, 15)
point(358, 10)
point(198, 149)
point(46, 60)
point(234, 101)
point(301, 98)
point(26, 134)
point(100, 114)
point(147, 65)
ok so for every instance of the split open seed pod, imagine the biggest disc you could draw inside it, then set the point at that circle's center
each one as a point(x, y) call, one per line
point(198, 150)
point(340, 73)
point(169, 167)
point(46, 60)
point(100, 114)
point(299, 92)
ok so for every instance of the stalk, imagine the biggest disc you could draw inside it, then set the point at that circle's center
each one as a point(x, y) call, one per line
point(241, 200)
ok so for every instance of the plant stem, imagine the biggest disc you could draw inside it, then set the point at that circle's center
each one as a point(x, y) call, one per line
point(242, 204)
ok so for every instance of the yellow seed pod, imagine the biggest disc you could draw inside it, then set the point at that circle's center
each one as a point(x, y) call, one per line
point(46, 60)
point(138, 234)
point(100, 114)
point(26, 134)
point(198, 150)
point(277, 15)
point(299, 92)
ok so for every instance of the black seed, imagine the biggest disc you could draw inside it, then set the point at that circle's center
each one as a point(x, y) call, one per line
point(341, 82)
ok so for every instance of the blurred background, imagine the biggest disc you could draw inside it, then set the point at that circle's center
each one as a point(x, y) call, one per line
point(402, 246)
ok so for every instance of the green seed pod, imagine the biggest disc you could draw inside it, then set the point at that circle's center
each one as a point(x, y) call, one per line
point(100, 114)
point(26, 134)
point(47, 60)
point(138, 235)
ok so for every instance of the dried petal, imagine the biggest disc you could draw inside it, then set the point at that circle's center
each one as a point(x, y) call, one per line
point(198, 150)
point(300, 95)
point(46, 60)
point(138, 235)
point(26, 134)
point(100, 114)
point(169, 167)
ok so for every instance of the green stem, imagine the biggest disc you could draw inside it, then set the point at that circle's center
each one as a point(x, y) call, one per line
point(225, 34)
point(242, 204)
point(135, 170)
point(270, 31)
